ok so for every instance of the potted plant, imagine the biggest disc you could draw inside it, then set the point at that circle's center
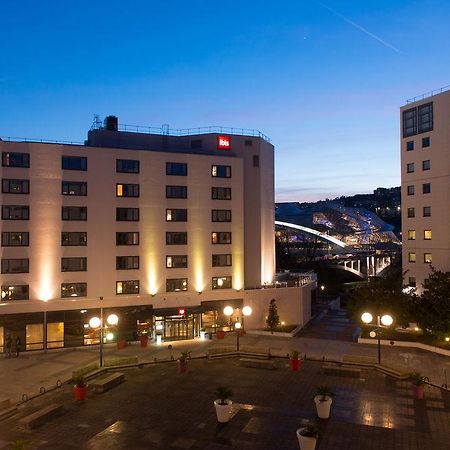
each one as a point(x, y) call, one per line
point(223, 404)
point(418, 382)
point(202, 333)
point(307, 436)
point(143, 338)
point(121, 342)
point(80, 388)
point(182, 362)
point(295, 360)
point(323, 400)
point(220, 334)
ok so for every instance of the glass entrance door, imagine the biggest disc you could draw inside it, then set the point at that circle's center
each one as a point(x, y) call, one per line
point(175, 328)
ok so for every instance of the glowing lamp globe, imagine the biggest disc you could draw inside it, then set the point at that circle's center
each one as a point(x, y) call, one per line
point(237, 325)
point(228, 310)
point(387, 320)
point(110, 336)
point(366, 317)
point(372, 334)
point(112, 319)
point(247, 310)
point(95, 322)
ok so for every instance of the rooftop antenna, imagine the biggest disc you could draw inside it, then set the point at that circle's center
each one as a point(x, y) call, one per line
point(97, 122)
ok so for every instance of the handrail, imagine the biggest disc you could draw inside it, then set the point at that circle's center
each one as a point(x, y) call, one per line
point(429, 94)
point(40, 141)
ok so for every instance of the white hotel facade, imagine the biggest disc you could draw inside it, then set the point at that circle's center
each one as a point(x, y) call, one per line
point(164, 230)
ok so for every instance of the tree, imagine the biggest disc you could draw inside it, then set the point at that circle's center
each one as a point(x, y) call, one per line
point(273, 319)
point(432, 307)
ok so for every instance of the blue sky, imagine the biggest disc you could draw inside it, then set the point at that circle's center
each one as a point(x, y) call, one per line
point(324, 80)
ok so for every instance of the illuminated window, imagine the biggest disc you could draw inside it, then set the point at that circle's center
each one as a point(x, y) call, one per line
point(411, 235)
point(223, 237)
point(221, 171)
point(427, 258)
point(176, 284)
point(221, 282)
point(11, 159)
point(34, 337)
point(73, 290)
point(176, 215)
point(15, 238)
point(127, 238)
point(221, 260)
point(127, 262)
point(127, 287)
point(73, 238)
point(177, 261)
point(15, 265)
point(127, 190)
point(176, 238)
point(74, 163)
point(74, 213)
point(15, 292)
point(427, 235)
point(410, 190)
point(412, 257)
point(55, 335)
point(10, 186)
point(74, 188)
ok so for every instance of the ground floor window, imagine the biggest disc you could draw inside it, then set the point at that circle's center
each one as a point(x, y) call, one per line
point(34, 336)
point(55, 335)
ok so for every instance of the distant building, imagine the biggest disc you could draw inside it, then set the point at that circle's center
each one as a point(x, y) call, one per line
point(425, 169)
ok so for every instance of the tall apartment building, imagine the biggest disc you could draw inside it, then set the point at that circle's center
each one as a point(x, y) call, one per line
point(425, 167)
point(164, 230)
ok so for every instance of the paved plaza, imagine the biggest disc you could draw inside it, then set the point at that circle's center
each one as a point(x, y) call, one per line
point(158, 408)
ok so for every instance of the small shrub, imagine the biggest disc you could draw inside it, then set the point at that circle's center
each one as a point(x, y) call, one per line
point(324, 392)
point(223, 393)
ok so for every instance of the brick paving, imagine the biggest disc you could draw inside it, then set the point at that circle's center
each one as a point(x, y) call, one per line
point(158, 408)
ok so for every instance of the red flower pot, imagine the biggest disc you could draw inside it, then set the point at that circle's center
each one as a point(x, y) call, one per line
point(80, 392)
point(121, 343)
point(220, 334)
point(144, 340)
point(295, 364)
point(418, 392)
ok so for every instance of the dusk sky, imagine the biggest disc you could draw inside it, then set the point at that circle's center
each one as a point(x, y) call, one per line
point(324, 80)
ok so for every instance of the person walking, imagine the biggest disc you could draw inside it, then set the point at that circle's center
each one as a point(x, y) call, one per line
point(8, 344)
point(18, 346)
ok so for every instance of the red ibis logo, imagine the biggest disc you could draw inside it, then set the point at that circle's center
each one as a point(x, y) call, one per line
point(223, 142)
point(181, 312)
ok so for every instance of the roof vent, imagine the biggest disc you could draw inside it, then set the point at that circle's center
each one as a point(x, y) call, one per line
point(111, 123)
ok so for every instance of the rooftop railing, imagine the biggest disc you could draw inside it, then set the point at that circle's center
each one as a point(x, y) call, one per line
point(428, 94)
point(38, 140)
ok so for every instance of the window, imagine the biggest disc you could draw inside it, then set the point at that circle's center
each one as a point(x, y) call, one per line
point(427, 258)
point(15, 265)
point(74, 213)
point(221, 193)
point(15, 212)
point(410, 168)
point(221, 282)
point(74, 163)
point(425, 142)
point(73, 264)
point(410, 190)
point(411, 235)
point(127, 262)
point(127, 287)
point(223, 237)
point(248, 143)
point(221, 215)
point(255, 160)
point(425, 117)
point(176, 284)
point(127, 190)
point(11, 159)
point(73, 238)
point(179, 169)
point(426, 165)
point(127, 166)
point(409, 122)
point(412, 257)
point(411, 212)
point(427, 235)
point(15, 239)
point(221, 260)
point(221, 171)
point(176, 191)
point(73, 290)
point(412, 281)
point(15, 186)
point(74, 188)
point(409, 146)
point(426, 188)
point(127, 214)
point(196, 143)
point(15, 292)
point(176, 238)
point(177, 261)
point(127, 238)
point(427, 211)
point(176, 215)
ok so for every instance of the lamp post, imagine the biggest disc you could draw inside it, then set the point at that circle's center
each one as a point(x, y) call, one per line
point(237, 325)
point(382, 321)
point(228, 311)
point(97, 322)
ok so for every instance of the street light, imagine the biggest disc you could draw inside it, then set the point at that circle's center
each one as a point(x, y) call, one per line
point(228, 311)
point(97, 322)
point(382, 322)
point(237, 326)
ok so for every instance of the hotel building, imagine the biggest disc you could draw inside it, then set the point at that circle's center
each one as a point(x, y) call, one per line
point(162, 227)
point(425, 167)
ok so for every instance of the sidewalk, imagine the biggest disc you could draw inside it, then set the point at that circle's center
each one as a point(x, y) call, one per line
point(31, 371)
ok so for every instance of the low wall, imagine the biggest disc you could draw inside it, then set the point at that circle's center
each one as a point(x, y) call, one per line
point(428, 348)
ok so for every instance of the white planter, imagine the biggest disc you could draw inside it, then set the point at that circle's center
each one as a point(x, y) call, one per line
point(323, 406)
point(305, 442)
point(223, 411)
point(202, 334)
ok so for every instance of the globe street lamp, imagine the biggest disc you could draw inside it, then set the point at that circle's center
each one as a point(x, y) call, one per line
point(382, 322)
point(98, 322)
point(228, 311)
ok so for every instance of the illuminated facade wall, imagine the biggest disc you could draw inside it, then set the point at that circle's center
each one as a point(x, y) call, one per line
point(425, 168)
